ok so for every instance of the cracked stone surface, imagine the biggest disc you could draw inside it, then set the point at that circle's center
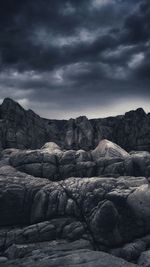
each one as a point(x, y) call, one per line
point(54, 163)
point(97, 214)
point(78, 200)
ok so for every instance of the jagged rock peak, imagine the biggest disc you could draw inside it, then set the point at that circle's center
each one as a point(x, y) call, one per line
point(12, 111)
point(10, 106)
point(8, 101)
point(81, 118)
point(108, 149)
point(138, 112)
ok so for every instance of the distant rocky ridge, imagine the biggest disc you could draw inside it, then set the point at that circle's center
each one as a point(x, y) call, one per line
point(24, 129)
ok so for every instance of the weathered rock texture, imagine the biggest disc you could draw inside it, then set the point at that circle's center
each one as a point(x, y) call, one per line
point(24, 129)
point(66, 255)
point(100, 213)
point(54, 163)
point(78, 199)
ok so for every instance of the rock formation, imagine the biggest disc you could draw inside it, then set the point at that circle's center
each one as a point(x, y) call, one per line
point(24, 129)
point(83, 215)
point(69, 196)
point(55, 163)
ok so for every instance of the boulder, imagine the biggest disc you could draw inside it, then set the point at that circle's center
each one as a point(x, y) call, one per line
point(108, 149)
point(139, 201)
point(51, 147)
point(144, 259)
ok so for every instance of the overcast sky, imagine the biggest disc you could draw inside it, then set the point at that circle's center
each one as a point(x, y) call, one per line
point(66, 58)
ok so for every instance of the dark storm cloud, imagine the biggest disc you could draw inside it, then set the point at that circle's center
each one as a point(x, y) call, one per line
point(137, 25)
point(74, 55)
point(20, 20)
point(142, 71)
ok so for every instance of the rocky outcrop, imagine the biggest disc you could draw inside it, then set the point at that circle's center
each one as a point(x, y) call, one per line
point(79, 199)
point(30, 197)
point(144, 259)
point(68, 255)
point(108, 149)
point(54, 163)
point(20, 128)
point(24, 129)
point(86, 214)
point(46, 221)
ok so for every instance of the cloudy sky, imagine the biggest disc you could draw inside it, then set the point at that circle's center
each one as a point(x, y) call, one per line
point(66, 58)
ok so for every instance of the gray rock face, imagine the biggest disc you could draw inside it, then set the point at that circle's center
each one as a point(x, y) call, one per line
point(79, 199)
point(68, 254)
point(108, 149)
point(140, 202)
point(75, 210)
point(54, 163)
point(24, 129)
point(144, 259)
point(92, 202)
point(131, 251)
point(20, 128)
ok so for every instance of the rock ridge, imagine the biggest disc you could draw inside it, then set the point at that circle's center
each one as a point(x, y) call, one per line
point(24, 129)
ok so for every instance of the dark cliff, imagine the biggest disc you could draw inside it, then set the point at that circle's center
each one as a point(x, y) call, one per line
point(21, 128)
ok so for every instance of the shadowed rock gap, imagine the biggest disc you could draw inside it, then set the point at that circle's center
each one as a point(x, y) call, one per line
point(82, 217)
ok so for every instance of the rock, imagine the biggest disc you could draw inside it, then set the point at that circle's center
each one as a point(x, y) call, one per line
point(53, 163)
point(144, 259)
point(19, 251)
point(91, 202)
point(69, 210)
point(108, 149)
point(82, 156)
point(20, 128)
point(60, 228)
point(115, 169)
point(3, 260)
point(63, 207)
point(108, 233)
point(132, 182)
point(141, 162)
point(26, 130)
point(139, 201)
point(51, 147)
point(17, 191)
point(79, 134)
point(130, 252)
point(68, 258)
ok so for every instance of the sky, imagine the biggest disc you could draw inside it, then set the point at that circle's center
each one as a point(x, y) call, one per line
point(66, 58)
